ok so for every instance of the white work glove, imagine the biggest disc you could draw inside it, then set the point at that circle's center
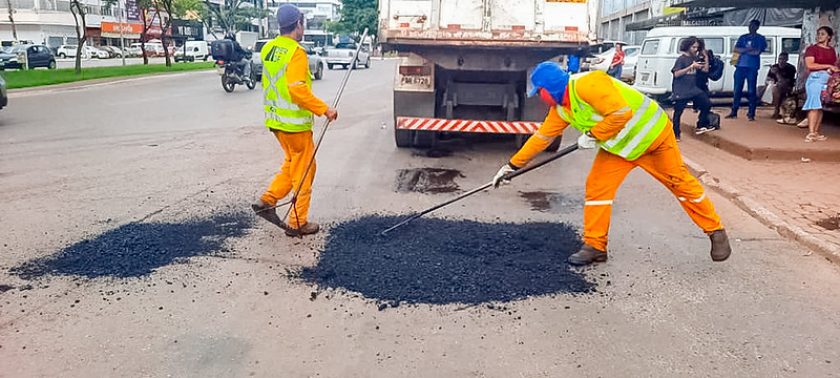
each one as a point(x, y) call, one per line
point(504, 170)
point(586, 142)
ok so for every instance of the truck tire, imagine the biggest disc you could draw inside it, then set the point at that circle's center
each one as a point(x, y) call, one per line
point(404, 138)
point(425, 139)
point(319, 73)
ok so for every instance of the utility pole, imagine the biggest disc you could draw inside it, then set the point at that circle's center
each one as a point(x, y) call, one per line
point(122, 40)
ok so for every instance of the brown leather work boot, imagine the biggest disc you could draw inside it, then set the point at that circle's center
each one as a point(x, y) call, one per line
point(264, 210)
point(587, 255)
point(307, 229)
point(720, 245)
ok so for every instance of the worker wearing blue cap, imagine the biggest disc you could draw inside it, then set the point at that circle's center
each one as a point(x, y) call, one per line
point(631, 130)
point(289, 108)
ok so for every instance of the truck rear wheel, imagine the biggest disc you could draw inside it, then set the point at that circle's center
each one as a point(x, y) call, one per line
point(424, 139)
point(404, 138)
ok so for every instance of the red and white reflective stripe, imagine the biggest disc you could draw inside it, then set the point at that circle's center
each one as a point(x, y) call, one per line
point(467, 126)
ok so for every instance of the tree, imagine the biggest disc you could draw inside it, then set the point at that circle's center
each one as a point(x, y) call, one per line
point(231, 16)
point(166, 5)
point(78, 10)
point(356, 15)
point(145, 7)
point(12, 19)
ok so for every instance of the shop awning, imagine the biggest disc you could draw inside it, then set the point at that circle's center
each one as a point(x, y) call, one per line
point(755, 3)
point(650, 23)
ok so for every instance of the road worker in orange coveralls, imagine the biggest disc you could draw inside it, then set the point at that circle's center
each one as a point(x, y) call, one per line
point(289, 108)
point(631, 131)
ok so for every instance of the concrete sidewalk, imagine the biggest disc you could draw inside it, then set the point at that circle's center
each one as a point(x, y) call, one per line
point(765, 139)
point(768, 170)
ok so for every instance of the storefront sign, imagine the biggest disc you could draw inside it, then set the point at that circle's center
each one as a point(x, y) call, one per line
point(132, 11)
point(129, 30)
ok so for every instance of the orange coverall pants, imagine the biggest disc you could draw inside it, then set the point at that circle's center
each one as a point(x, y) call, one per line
point(298, 149)
point(662, 161)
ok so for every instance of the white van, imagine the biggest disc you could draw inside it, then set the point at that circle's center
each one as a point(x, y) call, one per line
point(660, 50)
point(195, 50)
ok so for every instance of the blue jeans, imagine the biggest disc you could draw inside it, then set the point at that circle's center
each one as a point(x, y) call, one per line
point(751, 76)
point(615, 71)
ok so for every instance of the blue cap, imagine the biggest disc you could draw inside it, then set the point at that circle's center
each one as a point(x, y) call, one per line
point(287, 15)
point(552, 77)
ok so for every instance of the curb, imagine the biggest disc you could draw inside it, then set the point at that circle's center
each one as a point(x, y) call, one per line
point(764, 215)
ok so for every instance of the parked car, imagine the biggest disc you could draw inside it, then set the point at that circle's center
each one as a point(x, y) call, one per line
point(134, 50)
point(36, 55)
point(113, 51)
point(67, 51)
point(96, 52)
point(195, 50)
point(661, 49)
point(602, 61)
point(316, 63)
point(4, 99)
point(342, 55)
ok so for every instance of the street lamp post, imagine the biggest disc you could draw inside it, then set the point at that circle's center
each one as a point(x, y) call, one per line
point(122, 40)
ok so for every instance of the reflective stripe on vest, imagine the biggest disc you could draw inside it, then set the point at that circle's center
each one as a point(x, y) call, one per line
point(280, 112)
point(638, 133)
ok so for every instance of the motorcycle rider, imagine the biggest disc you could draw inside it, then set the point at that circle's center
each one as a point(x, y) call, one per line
point(242, 58)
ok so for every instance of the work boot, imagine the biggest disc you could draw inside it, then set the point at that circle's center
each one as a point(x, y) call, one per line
point(720, 245)
point(587, 255)
point(264, 210)
point(307, 229)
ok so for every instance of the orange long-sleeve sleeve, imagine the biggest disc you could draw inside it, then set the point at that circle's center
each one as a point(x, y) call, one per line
point(296, 76)
point(598, 90)
point(551, 128)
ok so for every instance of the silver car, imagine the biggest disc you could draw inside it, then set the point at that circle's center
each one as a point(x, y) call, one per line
point(316, 63)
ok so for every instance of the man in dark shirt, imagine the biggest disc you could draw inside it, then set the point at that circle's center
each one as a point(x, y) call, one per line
point(749, 48)
point(784, 75)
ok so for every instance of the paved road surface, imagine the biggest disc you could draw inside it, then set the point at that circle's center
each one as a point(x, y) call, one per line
point(77, 163)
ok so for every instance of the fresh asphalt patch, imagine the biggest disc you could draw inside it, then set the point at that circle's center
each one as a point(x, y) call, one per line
point(138, 249)
point(440, 261)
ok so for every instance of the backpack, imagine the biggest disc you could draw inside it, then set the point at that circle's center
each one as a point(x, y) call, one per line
point(715, 68)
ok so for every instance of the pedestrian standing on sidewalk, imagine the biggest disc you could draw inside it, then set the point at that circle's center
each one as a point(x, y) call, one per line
point(289, 107)
point(749, 48)
point(684, 87)
point(631, 131)
point(821, 61)
point(617, 65)
point(783, 74)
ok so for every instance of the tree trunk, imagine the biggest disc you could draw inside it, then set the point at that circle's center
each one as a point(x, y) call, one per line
point(143, 36)
point(12, 19)
point(163, 38)
point(81, 32)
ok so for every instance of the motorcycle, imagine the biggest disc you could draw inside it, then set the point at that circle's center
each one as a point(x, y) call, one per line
point(232, 75)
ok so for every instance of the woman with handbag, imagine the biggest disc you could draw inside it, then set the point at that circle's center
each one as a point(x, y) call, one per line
point(820, 60)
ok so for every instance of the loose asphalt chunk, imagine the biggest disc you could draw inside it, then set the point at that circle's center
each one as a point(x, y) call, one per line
point(438, 261)
point(137, 249)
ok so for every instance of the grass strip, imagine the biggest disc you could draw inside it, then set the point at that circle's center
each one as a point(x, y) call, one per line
point(36, 78)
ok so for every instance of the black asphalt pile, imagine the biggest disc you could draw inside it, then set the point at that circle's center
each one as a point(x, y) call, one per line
point(438, 261)
point(137, 249)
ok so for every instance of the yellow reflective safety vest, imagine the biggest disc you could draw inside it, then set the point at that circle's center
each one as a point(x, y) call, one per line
point(638, 134)
point(280, 112)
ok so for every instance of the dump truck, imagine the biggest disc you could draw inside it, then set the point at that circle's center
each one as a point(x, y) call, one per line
point(464, 64)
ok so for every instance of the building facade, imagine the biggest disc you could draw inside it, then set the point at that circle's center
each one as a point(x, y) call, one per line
point(50, 22)
point(615, 15)
point(317, 12)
